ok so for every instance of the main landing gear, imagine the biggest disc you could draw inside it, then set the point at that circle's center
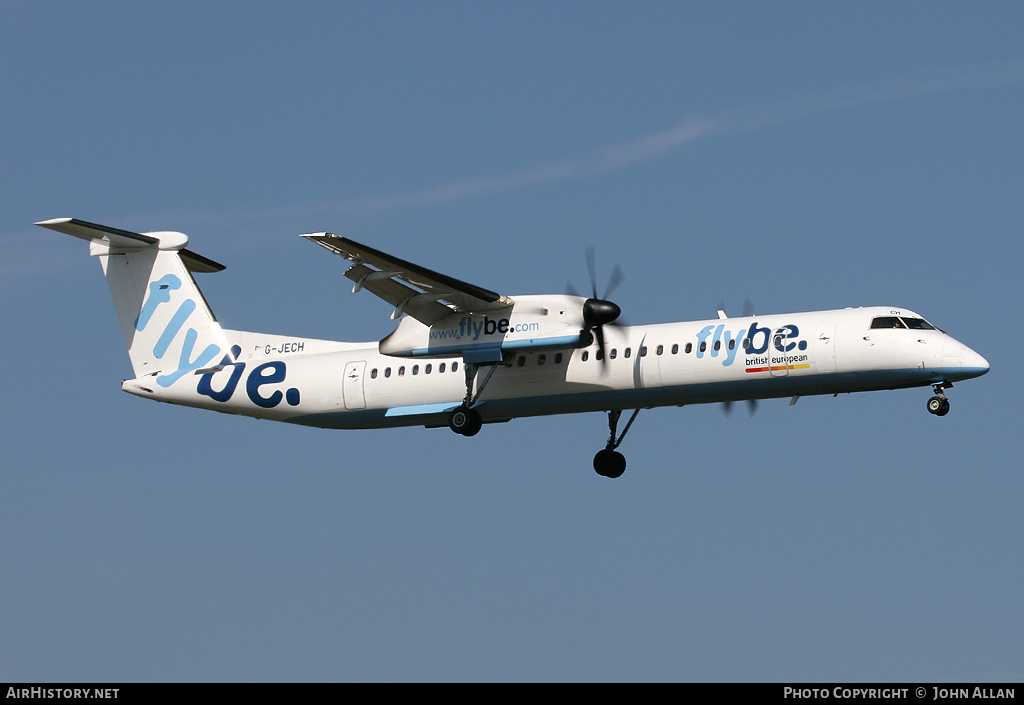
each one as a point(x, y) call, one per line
point(939, 404)
point(464, 419)
point(609, 462)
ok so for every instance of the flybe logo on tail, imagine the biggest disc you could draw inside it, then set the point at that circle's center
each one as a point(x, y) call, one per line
point(256, 381)
point(159, 294)
point(717, 341)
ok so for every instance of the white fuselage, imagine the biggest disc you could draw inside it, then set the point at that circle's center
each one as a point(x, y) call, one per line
point(353, 385)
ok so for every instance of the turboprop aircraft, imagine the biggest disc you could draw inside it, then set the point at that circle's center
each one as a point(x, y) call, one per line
point(462, 356)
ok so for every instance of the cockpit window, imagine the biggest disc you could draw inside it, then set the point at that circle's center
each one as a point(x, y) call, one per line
point(887, 322)
point(903, 322)
point(918, 324)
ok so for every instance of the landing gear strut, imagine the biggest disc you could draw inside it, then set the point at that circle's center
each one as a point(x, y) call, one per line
point(609, 462)
point(939, 404)
point(464, 419)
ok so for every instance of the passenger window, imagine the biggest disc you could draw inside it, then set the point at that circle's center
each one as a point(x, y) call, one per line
point(373, 373)
point(426, 370)
point(440, 368)
point(558, 358)
point(627, 352)
point(689, 348)
point(455, 367)
point(613, 354)
point(585, 356)
point(415, 369)
point(675, 349)
point(703, 346)
point(521, 361)
point(401, 371)
point(387, 372)
point(541, 359)
point(660, 350)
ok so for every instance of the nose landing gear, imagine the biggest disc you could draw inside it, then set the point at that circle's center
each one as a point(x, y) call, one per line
point(939, 404)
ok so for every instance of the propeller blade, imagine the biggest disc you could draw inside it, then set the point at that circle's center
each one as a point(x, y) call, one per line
point(592, 269)
point(616, 279)
point(601, 356)
point(751, 406)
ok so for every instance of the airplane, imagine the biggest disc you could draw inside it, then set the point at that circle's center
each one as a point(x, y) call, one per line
point(462, 356)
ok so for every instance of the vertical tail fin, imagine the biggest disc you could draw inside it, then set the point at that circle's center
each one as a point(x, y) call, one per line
point(167, 324)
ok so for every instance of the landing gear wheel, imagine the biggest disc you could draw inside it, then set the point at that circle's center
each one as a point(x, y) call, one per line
point(609, 463)
point(938, 406)
point(465, 421)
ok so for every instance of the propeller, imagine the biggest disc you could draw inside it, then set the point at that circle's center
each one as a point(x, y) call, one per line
point(751, 405)
point(748, 307)
point(599, 311)
point(748, 310)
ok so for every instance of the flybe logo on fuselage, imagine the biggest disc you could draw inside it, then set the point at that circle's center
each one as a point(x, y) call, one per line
point(758, 343)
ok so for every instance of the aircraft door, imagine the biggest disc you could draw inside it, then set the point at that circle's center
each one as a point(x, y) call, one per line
point(352, 385)
point(779, 338)
point(647, 362)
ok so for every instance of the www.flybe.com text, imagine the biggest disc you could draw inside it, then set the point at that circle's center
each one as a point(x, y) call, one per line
point(471, 328)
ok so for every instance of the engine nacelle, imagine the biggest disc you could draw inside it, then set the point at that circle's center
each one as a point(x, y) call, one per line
point(531, 323)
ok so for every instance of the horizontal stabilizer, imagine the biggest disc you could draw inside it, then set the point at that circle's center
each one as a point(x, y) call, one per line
point(117, 239)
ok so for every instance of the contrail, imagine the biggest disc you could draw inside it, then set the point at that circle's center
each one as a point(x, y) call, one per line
point(605, 159)
point(617, 156)
point(658, 144)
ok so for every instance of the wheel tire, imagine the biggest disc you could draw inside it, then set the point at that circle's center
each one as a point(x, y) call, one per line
point(609, 463)
point(945, 408)
point(465, 421)
point(938, 406)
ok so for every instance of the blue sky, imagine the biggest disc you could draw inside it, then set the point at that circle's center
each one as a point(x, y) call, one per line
point(802, 155)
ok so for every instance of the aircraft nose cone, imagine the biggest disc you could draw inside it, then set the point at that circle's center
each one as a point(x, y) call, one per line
point(975, 362)
point(960, 362)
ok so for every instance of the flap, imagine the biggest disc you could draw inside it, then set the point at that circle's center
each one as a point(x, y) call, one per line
point(424, 294)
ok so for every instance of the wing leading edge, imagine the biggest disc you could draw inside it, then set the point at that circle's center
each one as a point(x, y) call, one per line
point(423, 294)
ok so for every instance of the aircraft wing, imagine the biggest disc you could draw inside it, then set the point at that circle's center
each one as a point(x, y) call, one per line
point(426, 295)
